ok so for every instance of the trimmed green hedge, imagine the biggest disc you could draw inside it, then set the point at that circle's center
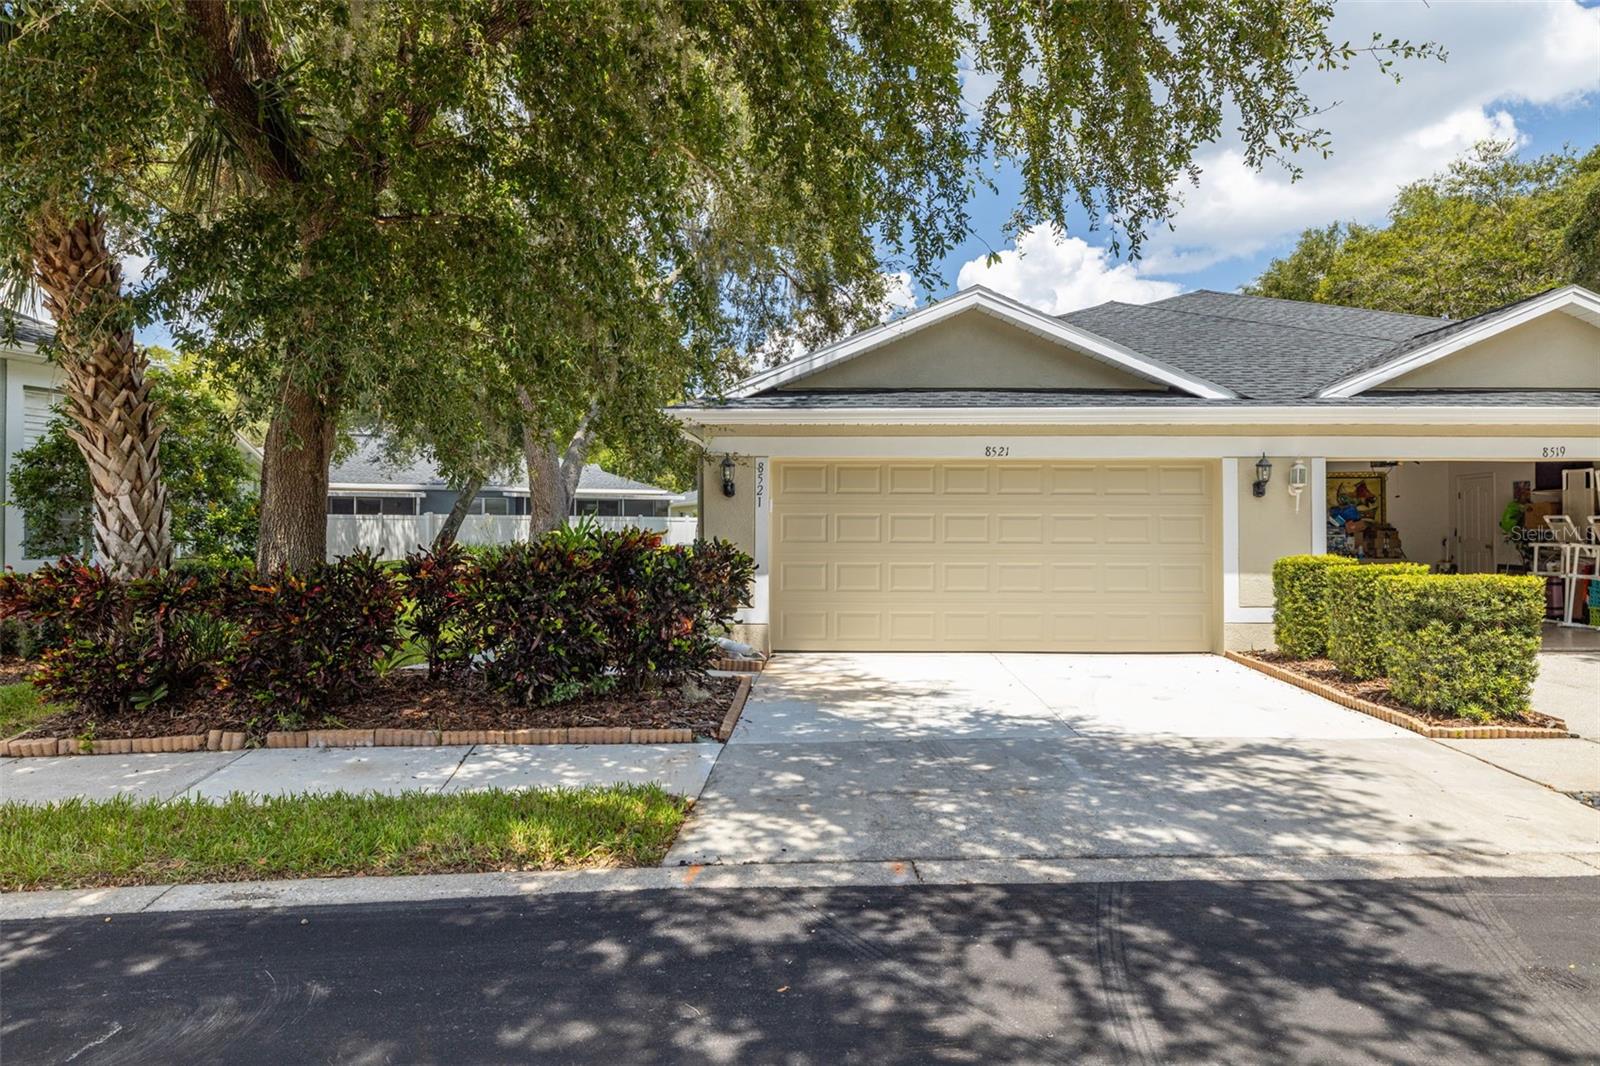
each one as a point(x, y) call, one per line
point(1355, 620)
point(1299, 590)
point(1463, 644)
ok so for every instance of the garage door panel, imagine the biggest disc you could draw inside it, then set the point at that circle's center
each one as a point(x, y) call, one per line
point(802, 528)
point(913, 480)
point(911, 529)
point(857, 577)
point(857, 528)
point(971, 556)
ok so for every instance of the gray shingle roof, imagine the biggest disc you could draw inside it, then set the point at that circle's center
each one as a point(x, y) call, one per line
point(1441, 329)
point(369, 464)
point(845, 399)
point(28, 329)
point(1258, 347)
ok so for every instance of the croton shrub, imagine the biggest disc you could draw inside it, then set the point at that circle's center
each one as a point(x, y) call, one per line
point(577, 610)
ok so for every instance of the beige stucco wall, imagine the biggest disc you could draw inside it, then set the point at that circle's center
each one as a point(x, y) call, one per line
point(973, 350)
point(732, 518)
point(1269, 528)
point(1248, 636)
point(1554, 352)
point(729, 517)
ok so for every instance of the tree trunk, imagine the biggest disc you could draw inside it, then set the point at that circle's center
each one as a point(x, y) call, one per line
point(294, 481)
point(108, 395)
point(552, 475)
point(458, 513)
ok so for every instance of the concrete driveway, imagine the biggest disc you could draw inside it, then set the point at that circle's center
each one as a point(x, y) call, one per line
point(977, 756)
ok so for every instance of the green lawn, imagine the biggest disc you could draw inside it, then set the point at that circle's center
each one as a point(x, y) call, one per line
point(21, 707)
point(79, 844)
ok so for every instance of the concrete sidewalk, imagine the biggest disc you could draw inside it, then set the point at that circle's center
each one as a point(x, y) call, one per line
point(679, 768)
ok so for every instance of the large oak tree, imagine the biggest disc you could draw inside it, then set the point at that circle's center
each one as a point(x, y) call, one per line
point(560, 216)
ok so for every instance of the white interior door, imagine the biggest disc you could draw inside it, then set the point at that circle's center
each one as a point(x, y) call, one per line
point(1476, 527)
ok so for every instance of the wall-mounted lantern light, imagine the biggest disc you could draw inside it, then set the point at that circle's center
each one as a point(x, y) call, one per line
point(1263, 475)
point(1299, 478)
point(728, 487)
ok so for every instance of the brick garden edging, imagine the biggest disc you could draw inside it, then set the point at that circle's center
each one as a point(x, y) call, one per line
point(1394, 717)
point(740, 666)
point(218, 740)
point(735, 709)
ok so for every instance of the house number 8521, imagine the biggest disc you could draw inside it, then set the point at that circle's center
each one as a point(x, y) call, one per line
point(996, 451)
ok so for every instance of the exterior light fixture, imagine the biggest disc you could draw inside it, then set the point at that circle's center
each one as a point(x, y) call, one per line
point(1299, 477)
point(728, 487)
point(1263, 475)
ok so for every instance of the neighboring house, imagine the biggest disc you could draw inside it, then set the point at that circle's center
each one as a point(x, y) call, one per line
point(369, 483)
point(29, 388)
point(979, 475)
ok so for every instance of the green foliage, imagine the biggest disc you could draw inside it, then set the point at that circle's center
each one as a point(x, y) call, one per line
point(468, 216)
point(27, 639)
point(1462, 644)
point(1300, 595)
point(439, 613)
point(1489, 230)
point(123, 644)
point(122, 841)
point(210, 481)
point(309, 641)
point(581, 605)
point(1355, 618)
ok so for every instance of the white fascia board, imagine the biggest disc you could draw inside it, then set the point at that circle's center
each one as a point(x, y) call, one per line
point(345, 488)
point(1424, 415)
point(1574, 300)
point(1001, 307)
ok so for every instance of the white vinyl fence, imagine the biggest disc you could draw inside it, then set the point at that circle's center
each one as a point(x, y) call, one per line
point(393, 536)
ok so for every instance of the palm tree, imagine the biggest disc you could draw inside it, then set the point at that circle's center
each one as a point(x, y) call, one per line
point(108, 394)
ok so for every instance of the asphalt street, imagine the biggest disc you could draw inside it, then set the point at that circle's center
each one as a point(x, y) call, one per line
point(1458, 971)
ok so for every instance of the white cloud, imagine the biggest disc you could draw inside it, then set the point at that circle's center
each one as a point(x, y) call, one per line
point(1384, 135)
point(1058, 274)
point(898, 296)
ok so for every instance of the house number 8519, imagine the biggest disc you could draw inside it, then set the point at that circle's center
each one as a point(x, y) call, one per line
point(1554, 451)
point(996, 451)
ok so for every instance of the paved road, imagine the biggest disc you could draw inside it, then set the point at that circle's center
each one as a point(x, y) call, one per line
point(1500, 971)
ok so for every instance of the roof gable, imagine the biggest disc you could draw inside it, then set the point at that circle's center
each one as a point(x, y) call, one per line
point(1122, 361)
point(1493, 350)
point(973, 350)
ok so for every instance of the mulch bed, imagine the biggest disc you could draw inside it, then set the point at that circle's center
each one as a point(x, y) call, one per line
point(14, 670)
point(1376, 691)
point(408, 700)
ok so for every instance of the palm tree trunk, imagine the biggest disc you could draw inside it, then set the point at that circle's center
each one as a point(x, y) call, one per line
point(108, 394)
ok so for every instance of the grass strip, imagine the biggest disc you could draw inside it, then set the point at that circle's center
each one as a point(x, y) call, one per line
point(100, 843)
point(21, 708)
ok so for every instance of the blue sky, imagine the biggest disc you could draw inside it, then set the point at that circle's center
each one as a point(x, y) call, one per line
point(1529, 71)
point(1526, 71)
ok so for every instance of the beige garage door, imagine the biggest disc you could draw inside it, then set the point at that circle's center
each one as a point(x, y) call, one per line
point(977, 556)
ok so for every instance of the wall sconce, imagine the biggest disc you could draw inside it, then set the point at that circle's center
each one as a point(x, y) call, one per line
point(1263, 475)
point(728, 487)
point(1299, 478)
